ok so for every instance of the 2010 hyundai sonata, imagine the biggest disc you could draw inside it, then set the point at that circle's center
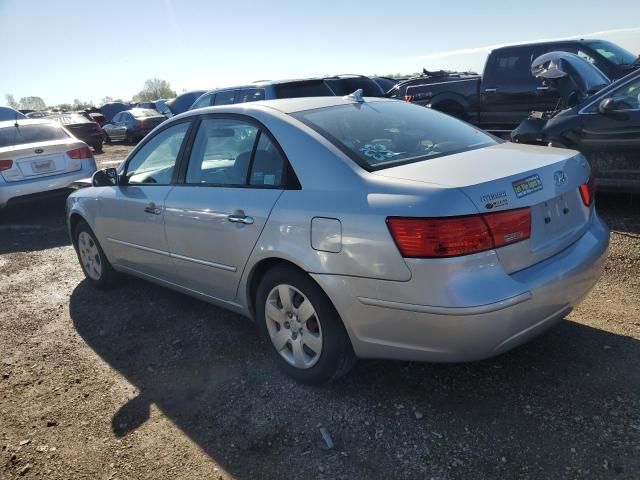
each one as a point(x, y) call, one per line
point(350, 227)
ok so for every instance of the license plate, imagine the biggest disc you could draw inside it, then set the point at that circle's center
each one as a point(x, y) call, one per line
point(42, 166)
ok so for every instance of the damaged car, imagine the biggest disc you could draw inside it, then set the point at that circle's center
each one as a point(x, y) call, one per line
point(599, 118)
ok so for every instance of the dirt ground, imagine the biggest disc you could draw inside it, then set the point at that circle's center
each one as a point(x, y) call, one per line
point(142, 382)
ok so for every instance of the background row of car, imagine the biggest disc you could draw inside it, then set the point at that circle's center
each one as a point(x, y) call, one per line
point(602, 120)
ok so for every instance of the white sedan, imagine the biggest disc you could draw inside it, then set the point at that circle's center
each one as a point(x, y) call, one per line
point(39, 158)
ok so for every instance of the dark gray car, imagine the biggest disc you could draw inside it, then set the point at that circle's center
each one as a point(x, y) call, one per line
point(132, 125)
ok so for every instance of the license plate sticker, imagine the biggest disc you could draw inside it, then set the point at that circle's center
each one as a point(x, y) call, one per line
point(527, 186)
point(41, 166)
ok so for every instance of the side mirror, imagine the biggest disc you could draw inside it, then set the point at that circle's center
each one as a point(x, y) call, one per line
point(107, 177)
point(610, 105)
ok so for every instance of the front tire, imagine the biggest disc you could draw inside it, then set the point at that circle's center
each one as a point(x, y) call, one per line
point(307, 336)
point(94, 262)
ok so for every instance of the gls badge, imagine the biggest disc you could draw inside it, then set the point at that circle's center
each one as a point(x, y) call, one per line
point(560, 177)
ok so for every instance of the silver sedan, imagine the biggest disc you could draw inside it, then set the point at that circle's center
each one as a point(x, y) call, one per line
point(350, 228)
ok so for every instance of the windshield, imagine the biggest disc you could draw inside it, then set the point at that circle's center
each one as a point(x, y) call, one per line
point(613, 52)
point(379, 135)
point(24, 134)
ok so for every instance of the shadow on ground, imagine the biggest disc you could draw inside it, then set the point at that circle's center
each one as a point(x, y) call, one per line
point(33, 226)
point(560, 405)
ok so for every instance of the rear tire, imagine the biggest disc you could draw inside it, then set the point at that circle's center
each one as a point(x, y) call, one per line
point(107, 140)
point(98, 147)
point(94, 262)
point(129, 140)
point(305, 332)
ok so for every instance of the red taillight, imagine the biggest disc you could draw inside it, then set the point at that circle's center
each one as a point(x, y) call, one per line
point(79, 153)
point(408, 98)
point(5, 165)
point(588, 191)
point(455, 236)
point(509, 227)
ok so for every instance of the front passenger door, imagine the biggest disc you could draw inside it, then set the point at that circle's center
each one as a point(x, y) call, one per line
point(132, 213)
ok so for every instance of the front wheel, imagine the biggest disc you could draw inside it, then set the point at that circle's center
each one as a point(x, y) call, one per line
point(308, 338)
point(95, 265)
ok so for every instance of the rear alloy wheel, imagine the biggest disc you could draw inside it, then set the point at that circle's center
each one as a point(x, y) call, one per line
point(307, 335)
point(293, 326)
point(95, 265)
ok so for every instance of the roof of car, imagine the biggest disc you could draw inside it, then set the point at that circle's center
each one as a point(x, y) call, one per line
point(287, 105)
point(546, 43)
point(27, 121)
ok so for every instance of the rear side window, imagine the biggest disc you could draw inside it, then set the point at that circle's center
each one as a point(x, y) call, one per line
point(510, 67)
point(221, 152)
point(24, 134)
point(204, 101)
point(268, 165)
point(225, 98)
point(250, 95)
point(305, 88)
point(382, 134)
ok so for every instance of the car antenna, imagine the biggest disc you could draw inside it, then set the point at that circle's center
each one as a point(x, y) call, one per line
point(357, 96)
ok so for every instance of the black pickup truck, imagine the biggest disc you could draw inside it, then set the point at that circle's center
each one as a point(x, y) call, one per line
point(507, 92)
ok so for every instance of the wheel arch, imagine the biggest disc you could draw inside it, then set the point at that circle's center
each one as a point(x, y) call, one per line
point(256, 274)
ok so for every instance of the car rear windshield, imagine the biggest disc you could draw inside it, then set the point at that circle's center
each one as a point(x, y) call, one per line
point(23, 134)
point(144, 113)
point(382, 134)
point(305, 88)
point(72, 119)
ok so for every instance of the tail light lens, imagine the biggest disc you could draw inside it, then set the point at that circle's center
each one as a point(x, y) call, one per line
point(5, 165)
point(588, 191)
point(79, 153)
point(455, 236)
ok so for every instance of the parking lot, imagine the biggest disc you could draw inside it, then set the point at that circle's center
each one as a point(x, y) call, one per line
point(143, 382)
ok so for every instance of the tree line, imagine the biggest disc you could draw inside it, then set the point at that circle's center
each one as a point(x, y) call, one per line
point(153, 89)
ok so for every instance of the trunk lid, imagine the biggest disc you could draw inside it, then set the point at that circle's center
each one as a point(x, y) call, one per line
point(509, 176)
point(35, 160)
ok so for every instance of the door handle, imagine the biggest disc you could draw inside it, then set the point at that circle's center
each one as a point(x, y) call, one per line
point(240, 219)
point(490, 90)
point(151, 208)
point(542, 89)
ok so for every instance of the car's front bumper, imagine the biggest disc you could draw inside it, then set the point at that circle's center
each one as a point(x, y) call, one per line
point(44, 186)
point(387, 320)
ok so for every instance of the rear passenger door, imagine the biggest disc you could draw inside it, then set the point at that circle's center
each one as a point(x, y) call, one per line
point(230, 181)
point(509, 92)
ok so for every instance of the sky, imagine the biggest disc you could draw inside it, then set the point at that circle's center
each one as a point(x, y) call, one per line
point(61, 50)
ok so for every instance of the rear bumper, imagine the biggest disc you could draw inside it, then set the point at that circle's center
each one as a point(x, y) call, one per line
point(382, 327)
point(43, 186)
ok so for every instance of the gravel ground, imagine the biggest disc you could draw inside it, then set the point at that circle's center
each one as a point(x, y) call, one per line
point(142, 382)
